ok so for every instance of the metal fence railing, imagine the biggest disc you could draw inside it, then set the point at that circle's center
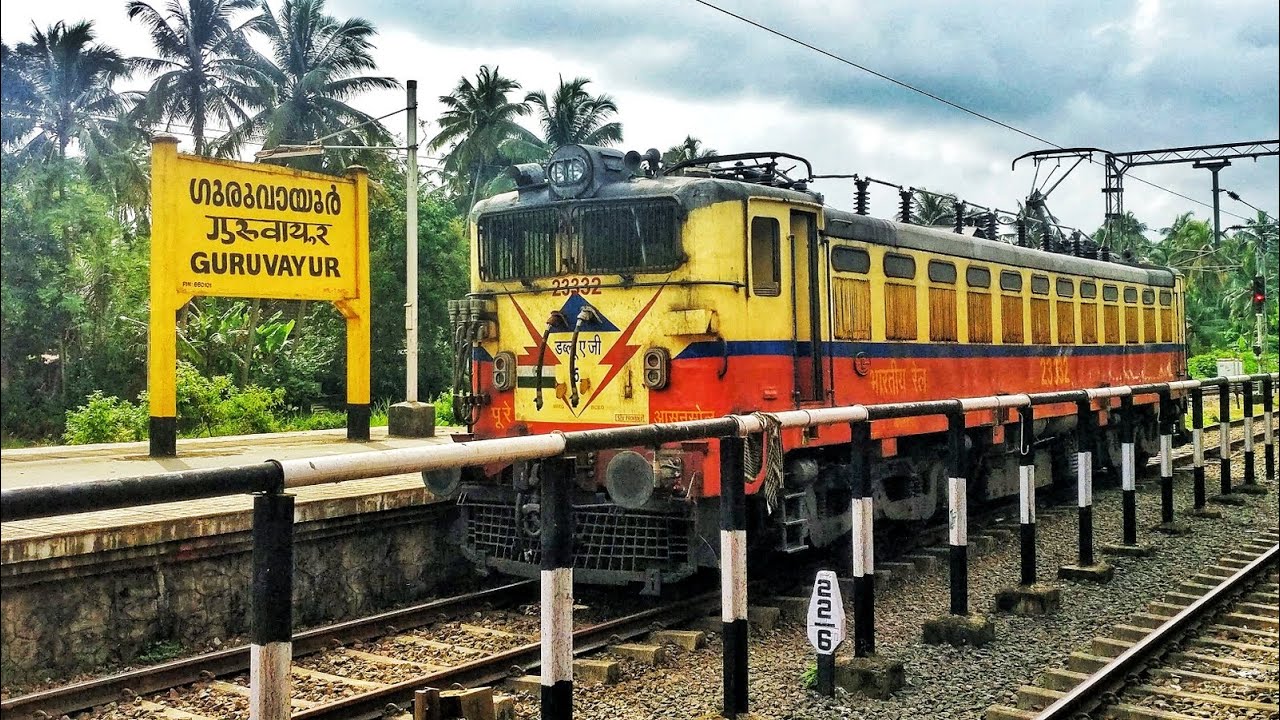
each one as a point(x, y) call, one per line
point(272, 581)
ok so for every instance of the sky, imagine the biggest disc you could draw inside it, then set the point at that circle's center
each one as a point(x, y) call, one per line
point(1122, 76)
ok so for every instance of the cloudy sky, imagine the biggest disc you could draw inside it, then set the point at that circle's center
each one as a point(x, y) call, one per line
point(1116, 75)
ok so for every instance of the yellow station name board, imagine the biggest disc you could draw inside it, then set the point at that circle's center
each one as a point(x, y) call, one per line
point(243, 230)
point(233, 229)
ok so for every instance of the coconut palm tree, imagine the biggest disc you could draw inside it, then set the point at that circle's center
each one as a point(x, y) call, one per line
point(478, 119)
point(312, 68)
point(691, 148)
point(575, 116)
point(63, 87)
point(202, 72)
point(934, 209)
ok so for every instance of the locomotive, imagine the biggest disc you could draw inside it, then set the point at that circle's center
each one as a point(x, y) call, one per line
point(607, 290)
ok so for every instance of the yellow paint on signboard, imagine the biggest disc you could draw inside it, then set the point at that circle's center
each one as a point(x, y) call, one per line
point(233, 229)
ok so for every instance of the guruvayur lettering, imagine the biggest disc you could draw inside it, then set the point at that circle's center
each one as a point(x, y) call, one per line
point(251, 229)
point(263, 196)
point(268, 264)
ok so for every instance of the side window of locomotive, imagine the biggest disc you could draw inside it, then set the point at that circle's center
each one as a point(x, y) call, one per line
point(1064, 308)
point(1088, 312)
point(899, 297)
point(978, 279)
point(1166, 316)
point(1148, 315)
point(1111, 314)
point(1011, 307)
point(766, 257)
point(1040, 329)
point(1130, 316)
point(942, 301)
point(850, 259)
point(851, 296)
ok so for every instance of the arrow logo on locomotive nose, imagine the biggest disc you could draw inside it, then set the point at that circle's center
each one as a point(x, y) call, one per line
point(621, 351)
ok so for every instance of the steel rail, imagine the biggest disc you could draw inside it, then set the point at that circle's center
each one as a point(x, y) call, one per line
point(80, 696)
point(494, 668)
point(1086, 695)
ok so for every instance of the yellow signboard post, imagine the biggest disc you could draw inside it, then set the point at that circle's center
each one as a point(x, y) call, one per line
point(235, 229)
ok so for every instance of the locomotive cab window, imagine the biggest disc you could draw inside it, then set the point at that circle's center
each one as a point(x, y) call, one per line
point(899, 297)
point(1011, 308)
point(606, 238)
point(978, 279)
point(942, 301)
point(766, 257)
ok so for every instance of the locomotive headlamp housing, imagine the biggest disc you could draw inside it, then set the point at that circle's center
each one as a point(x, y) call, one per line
point(504, 371)
point(657, 368)
point(570, 171)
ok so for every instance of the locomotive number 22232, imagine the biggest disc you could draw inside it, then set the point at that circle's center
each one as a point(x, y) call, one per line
point(576, 286)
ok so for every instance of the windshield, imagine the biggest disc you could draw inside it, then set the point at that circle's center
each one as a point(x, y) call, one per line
point(618, 238)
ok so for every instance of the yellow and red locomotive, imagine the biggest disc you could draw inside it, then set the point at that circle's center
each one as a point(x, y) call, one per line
point(607, 291)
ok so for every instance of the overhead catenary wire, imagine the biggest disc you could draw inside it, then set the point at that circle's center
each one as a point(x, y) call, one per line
point(932, 96)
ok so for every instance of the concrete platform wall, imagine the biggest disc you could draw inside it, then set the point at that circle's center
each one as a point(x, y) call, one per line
point(68, 615)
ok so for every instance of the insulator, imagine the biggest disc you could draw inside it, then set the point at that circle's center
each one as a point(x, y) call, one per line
point(904, 206)
point(992, 226)
point(1075, 243)
point(862, 199)
point(1104, 253)
point(959, 226)
point(1046, 240)
point(1022, 232)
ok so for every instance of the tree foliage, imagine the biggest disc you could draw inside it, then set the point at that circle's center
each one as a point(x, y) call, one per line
point(201, 67)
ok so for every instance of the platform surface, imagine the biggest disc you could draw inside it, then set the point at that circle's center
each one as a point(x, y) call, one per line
point(62, 536)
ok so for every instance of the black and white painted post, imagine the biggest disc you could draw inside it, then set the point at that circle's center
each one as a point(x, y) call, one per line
point(1268, 432)
point(271, 648)
point(957, 513)
point(1167, 417)
point(1224, 435)
point(862, 530)
point(1249, 477)
point(1027, 492)
point(1086, 418)
point(1128, 471)
point(1197, 448)
point(556, 514)
point(733, 575)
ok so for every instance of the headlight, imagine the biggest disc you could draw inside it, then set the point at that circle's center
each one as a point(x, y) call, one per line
point(570, 171)
point(657, 368)
point(504, 371)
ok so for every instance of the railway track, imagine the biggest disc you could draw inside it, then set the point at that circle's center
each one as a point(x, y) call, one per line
point(369, 668)
point(1207, 649)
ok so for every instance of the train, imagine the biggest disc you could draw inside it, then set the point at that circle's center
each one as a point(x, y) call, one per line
point(609, 290)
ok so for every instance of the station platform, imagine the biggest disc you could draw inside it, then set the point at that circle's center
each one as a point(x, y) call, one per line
point(66, 537)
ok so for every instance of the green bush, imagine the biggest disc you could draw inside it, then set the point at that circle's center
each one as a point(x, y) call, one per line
point(444, 409)
point(1206, 365)
point(105, 419)
point(215, 406)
